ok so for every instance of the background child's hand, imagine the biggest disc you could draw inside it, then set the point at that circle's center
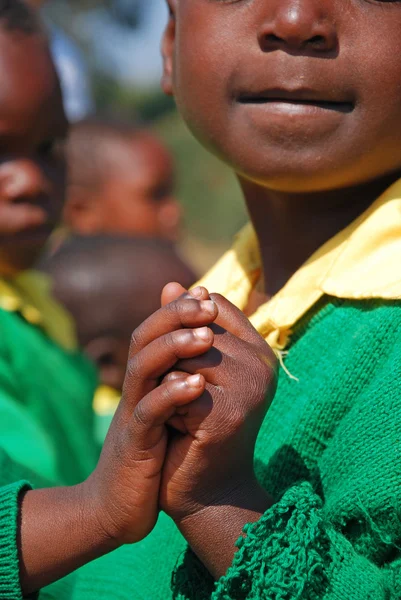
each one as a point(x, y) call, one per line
point(124, 488)
point(211, 459)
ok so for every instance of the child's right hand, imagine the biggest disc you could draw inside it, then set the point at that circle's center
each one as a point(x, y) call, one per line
point(118, 503)
point(124, 488)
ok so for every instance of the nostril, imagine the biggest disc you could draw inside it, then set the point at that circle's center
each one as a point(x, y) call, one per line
point(317, 41)
point(272, 38)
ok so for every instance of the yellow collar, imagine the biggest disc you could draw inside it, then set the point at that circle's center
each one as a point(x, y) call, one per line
point(362, 261)
point(28, 293)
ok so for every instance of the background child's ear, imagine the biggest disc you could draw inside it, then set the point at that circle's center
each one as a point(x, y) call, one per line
point(167, 48)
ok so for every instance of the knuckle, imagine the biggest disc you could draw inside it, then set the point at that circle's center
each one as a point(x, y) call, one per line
point(171, 340)
point(187, 308)
point(141, 415)
point(169, 391)
point(218, 298)
point(136, 340)
point(135, 366)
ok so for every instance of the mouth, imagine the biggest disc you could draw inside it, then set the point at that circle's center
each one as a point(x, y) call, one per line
point(298, 98)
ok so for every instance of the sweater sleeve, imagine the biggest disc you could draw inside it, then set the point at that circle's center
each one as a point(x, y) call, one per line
point(24, 456)
point(10, 588)
point(335, 537)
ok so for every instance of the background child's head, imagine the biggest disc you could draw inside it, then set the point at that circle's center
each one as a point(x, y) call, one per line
point(121, 181)
point(297, 96)
point(32, 129)
point(110, 285)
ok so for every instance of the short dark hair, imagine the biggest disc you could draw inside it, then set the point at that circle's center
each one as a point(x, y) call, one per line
point(88, 148)
point(110, 284)
point(17, 16)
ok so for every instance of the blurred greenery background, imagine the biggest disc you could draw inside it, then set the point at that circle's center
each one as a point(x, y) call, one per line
point(208, 191)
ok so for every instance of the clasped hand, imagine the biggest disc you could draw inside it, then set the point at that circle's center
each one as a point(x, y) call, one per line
point(199, 382)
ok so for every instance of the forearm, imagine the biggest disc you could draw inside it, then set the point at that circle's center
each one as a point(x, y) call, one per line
point(58, 534)
point(213, 531)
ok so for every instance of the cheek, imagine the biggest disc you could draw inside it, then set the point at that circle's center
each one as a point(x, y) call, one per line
point(200, 81)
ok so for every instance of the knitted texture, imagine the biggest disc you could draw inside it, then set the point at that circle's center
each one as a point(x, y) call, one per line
point(9, 570)
point(46, 426)
point(329, 451)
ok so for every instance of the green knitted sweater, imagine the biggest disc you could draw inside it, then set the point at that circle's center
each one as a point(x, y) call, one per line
point(329, 451)
point(46, 426)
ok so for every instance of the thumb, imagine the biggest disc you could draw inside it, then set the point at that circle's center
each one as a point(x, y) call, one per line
point(174, 290)
point(171, 292)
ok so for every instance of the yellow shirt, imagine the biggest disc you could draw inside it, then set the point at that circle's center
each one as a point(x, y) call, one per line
point(28, 293)
point(362, 261)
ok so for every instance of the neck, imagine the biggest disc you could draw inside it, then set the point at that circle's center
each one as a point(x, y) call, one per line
point(291, 227)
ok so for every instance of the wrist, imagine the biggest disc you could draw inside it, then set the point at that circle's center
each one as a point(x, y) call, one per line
point(58, 534)
point(98, 519)
point(246, 495)
point(212, 531)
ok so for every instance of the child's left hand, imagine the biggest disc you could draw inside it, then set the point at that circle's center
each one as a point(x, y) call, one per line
point(211, 460)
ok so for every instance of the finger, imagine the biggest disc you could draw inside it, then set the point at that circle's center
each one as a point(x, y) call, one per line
point(174, 290)
point(233, 320)
point(173, 375)
point(229, 354)
point(147, 366)
point(171, 292)
point(216, 367)
point(157, 407)
point(186, 311)
point(176, 421)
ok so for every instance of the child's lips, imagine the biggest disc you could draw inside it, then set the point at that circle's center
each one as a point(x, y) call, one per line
point(295, 101)
point(301, 114)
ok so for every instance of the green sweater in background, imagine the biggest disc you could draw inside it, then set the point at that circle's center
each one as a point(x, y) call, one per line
point(46, 425)
point(329, 452)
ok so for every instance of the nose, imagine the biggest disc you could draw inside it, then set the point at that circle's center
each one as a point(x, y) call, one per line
point(22, 180)
point(298, 26)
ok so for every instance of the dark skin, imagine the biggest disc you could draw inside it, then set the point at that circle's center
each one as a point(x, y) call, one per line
point(32, 131)
point(282, 147)
point(290, 94)
point(98, 515)
point(134, 194)
point(119, 502)
point(289, 153)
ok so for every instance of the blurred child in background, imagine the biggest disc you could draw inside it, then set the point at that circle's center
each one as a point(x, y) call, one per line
point(121, 181)
point(110, 285)
point(46, 385)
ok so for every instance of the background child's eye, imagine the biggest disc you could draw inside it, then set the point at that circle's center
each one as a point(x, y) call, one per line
point(52, 148)
point(46, 148)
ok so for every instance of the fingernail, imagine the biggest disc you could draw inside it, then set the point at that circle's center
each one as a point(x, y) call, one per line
point(197, 292)
point(194, 380)
point(208, 306)
point(203, 333)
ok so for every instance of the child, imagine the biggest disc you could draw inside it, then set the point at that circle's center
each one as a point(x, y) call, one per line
point(121, 181)
point(302, 99)
point(45, 384)
point(96, 279)
point(291, 94)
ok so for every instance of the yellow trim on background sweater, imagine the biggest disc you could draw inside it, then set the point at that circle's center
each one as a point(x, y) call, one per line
point(362, 261)
point(106, 400)
point(29, 294)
